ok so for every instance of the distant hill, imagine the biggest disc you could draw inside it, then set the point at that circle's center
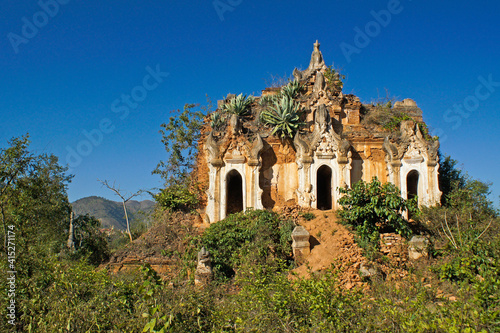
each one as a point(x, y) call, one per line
point(110, 213)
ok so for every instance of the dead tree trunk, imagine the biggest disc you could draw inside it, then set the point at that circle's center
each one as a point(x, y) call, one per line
point(71, 236)
point(124, 201)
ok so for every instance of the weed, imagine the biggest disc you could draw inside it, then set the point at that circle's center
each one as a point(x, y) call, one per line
point(308, 216)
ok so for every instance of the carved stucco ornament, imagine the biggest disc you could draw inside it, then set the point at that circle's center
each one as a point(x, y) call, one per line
point(213, 150)
point(235, 124)
point(323, 141)
point(255, 151)
point(411, 146)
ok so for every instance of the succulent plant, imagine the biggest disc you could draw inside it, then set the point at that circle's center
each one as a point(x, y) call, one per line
point(292, 89)
point(238, 105)
point(284, 116)
point(218, 120)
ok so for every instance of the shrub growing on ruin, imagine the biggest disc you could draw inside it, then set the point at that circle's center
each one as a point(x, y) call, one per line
point(334, 78)
point(372, 207)
point(176, 197)
point(180, 137)
point(253, 236)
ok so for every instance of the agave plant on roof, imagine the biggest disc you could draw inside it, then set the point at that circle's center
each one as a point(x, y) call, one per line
point(238, 105)
point(284, 116)
point(292, 89)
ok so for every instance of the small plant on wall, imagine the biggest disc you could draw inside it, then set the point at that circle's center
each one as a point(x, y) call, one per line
point(334, 78)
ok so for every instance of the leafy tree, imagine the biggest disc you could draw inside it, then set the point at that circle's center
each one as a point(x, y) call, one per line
point(180, 137)
point(371, 207)
point(449, 176)
point(89, 241)
point(33, 196)
point(34, 205)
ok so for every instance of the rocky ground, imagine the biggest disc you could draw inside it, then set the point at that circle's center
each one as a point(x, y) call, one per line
point(332, 246)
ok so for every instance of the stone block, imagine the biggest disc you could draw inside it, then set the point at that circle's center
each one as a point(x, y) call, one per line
point(203, 274)
point(418, 247)
point(301, 245)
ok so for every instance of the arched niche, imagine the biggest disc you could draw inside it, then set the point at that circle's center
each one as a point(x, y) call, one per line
point(324, 187)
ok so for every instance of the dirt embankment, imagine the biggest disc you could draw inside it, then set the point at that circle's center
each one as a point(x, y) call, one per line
point(332, 245)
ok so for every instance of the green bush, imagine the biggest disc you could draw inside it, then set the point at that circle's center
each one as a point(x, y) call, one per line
point(253, 236)
point(372, 207)
point(176, 197)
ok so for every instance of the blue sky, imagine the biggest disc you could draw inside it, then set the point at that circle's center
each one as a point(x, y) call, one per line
point(65, 70)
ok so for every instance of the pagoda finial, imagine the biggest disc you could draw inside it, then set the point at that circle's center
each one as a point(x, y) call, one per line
point(317, 63)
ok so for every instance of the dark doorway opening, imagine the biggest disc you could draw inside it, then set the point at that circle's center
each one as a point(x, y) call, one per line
point(234, 195)
point(324, 188)
point(412, 186)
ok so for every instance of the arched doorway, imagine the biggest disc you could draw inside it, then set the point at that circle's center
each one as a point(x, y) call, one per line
point(412, 184)
point(324, 188)
point(234, 192)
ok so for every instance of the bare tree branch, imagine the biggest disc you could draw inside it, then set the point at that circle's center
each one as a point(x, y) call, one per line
point(124, 198)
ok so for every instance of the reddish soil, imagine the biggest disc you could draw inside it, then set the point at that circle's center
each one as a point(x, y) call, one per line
point(332, 245)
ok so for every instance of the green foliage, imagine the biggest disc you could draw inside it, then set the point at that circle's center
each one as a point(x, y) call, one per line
point(89, 241)
point(69, 296)
point(284, 116)
point(267, 100)
point(308, 216)
point(395, 120)
point(473, 259)
point(384, 115)
point(425, 132)
point(371, 207)
point(466, 230)
point(33, 198)
point(270, 302)
point(177, 197)
point(238, 105)
point(180, 137)
point(449, 177)
point(175, 310)
point(252, 236)
point(467, 216)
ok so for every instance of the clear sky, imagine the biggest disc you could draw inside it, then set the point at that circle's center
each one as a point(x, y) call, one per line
point(92, 81)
